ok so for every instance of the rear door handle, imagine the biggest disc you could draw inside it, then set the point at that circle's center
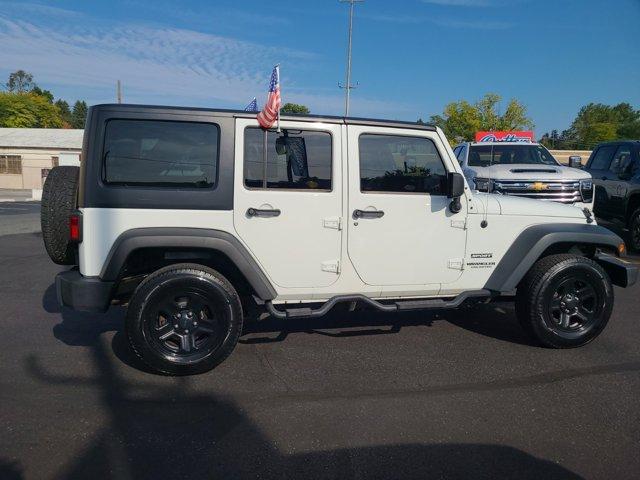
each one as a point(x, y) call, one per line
point(368, 213)
point(263, 212)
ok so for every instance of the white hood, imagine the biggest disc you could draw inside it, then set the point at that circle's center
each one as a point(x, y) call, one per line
point(494, 204)
point(528, 172)
point(511, 205)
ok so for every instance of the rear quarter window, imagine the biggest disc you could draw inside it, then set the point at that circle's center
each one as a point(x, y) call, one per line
point(602, 158)
point(160, 153)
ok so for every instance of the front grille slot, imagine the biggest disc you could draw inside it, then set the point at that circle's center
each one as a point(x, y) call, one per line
point(563, 192)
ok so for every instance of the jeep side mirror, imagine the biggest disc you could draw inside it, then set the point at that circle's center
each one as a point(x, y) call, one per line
point(455, 185)
point(575, 161)
point(455, 189)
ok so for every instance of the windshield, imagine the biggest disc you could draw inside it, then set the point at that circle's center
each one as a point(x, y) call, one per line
point(485, 155)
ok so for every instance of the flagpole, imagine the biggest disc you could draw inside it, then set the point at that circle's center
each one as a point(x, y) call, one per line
point(278, 75)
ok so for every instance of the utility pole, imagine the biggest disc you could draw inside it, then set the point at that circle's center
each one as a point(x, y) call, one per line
point(119, 92)
point(347, 86)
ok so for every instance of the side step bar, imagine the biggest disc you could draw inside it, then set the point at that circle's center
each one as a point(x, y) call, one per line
point(398, 306)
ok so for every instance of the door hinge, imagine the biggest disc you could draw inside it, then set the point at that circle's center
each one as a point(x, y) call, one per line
point(332, 222)
point(332, 266)
point(459, 224)
point(456, 263)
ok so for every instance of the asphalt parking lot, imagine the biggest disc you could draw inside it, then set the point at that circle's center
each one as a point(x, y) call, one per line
point(459, 394)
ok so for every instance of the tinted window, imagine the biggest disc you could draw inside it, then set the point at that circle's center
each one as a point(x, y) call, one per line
point(400, 164)
point(485, 155)
point(295, 159)
point(602, 158)
point(456, 150)
point(621, 160)
point(159, 153)
point(461, 153)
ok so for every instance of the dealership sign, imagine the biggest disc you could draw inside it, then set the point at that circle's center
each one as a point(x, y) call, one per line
point(510, 136)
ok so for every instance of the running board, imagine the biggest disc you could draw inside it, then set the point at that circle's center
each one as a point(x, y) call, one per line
point(399, 306)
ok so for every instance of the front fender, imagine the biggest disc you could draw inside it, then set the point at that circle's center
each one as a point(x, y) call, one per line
point(535, 240)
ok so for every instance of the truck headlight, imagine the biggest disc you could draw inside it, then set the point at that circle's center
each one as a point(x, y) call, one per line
point(586, 190)
point(483, 184)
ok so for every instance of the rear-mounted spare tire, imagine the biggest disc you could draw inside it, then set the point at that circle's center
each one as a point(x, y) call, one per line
point(58, 203)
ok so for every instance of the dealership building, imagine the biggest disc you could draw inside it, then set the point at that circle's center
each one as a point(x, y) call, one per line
point(27, 154)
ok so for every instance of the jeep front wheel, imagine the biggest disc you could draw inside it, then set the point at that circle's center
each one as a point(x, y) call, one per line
point(184, 319)
point(564, 301)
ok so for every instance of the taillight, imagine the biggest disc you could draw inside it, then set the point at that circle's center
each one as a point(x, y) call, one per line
point(75, 230)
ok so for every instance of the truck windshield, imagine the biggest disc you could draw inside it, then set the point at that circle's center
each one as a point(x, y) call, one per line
point(485, 155)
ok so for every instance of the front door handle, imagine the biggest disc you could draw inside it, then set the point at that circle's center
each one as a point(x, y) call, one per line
point(367, 213)
point(263, 212)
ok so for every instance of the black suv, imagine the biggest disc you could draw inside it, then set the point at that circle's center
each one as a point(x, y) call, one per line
point(615, 168)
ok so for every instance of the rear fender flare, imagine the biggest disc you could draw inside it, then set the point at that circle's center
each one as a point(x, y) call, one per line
point(210, 239)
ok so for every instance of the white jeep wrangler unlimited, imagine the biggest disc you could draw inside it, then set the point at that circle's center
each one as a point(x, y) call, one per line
point(190, 215)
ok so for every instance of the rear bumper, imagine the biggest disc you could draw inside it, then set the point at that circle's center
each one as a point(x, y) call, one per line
point(87, 294)
point(623, 274)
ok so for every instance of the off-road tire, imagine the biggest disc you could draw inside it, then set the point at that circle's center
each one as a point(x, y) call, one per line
point(634, 231)
point(538, 301)
point(169, 284)
point(58, 202)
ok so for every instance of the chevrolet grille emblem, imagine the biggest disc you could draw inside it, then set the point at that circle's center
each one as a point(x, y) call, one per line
point(537, 186)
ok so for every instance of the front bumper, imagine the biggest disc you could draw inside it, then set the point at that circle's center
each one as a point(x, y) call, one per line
point(87, 294)
point(623, 274)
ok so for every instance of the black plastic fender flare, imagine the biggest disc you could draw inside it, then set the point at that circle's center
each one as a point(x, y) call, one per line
point(210, 239)
point(534, 240)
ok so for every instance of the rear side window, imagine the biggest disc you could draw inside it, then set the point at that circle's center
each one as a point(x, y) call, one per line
point(160, 153)
point(621, 160)
point(390, 163)
point(292, 159)
point(602, 158)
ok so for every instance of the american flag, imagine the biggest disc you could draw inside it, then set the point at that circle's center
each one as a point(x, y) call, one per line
point(269, 114)
point(252, 107)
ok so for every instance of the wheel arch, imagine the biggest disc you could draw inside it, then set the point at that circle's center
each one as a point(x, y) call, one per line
point(632, 205)
point(225, 245)
point(538, 241)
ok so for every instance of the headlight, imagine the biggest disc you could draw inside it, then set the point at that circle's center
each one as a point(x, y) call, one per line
point(586, 190)
point(483, 184)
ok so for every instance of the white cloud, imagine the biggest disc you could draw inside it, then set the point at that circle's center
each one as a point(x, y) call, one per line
point(163, 65)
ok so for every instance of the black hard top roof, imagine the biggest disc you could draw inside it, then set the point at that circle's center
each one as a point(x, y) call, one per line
point(115, 107)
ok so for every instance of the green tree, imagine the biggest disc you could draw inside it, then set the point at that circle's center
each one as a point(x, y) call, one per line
point(79, 114)
point(36, 90)
point(461, 120)
point(20, 82)
point(295, 108)
point(597, 122)
point(65, 112)
point(27, 110)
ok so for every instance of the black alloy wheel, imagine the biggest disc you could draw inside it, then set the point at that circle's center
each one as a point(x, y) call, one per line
point(184, 319)
point(564, 301)
point(184, 327)
point(574, 305)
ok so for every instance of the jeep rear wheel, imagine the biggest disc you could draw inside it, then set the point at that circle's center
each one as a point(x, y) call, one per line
point(184, 319)
point(564, 301)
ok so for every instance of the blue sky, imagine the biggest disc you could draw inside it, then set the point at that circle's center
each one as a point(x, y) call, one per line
point(411, 57)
